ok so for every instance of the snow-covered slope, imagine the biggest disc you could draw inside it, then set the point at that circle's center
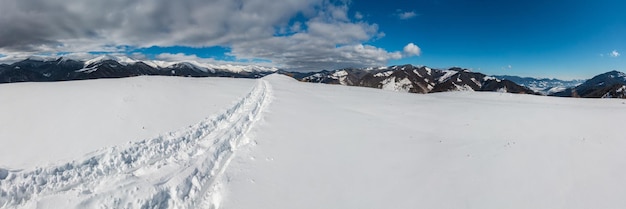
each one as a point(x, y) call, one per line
point(48, 122)
point(606, 85)
point(326, 146)
point(289, 144)
point(414, 79)
point(124, 60)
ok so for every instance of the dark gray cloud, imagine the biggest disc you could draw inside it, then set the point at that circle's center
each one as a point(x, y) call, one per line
point(246, 26)
point(141, 22)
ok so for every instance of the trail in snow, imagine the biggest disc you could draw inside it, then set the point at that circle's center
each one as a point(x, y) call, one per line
point(176, 170)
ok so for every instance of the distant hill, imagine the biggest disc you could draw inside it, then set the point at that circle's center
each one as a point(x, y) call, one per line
point(62, 69)
point(545, 86)
point(607, 85)
point(408, 78)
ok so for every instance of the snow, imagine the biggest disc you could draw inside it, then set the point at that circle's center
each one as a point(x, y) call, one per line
point(177, 170)
point(463, 87)
point(245, 68)
point(289, 144)
point(553, 90)
point(230, 67)
point(384, 74)
point(403, 85)
point(87, 70)
point(341, 75)
point(375, 68)
point(447, 75)
point(190, 63)
point(619, 93)
point(476, 82)
point(39, 120)
point(158, 63)
point(120, 59)
point(41, 58)
point(430, 71)
point(418, 74)
point(446, 150)
point(491, 78)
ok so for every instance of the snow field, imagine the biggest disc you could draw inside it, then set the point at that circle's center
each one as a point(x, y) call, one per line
point(56, 122)
point(328, 146)
point(331, 146)
point(175, 170)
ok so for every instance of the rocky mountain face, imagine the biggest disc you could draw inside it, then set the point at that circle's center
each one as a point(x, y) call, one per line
point(408, 78)
point(61, 69)
point(607, 85)
point(544, 86)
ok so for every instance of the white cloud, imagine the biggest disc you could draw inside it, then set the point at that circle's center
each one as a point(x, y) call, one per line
point(180, 57)
point(83, 25)
point(14, 57)
point(510, 67)
point(326, 38)
point(614, 53)
point(325, 42)
point(412, 50)
point(406, 15)
point(358, 15)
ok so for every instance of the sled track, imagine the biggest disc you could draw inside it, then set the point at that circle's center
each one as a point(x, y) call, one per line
point(178, 170)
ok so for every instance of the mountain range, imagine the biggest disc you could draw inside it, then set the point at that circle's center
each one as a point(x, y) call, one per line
point(545, 86)
point(408, 78)
point(63, 69)
point(404, 78)
point(607, 85)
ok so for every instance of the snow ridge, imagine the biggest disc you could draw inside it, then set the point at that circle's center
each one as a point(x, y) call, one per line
point(181, 169)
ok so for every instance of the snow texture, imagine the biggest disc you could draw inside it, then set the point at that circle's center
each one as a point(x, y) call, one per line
point(366, 148)
point(341, 75)
point(175, 170)
point(384, 74)
point(331, 146)
point(403, 85)
point(447, 75)
point(55, 122)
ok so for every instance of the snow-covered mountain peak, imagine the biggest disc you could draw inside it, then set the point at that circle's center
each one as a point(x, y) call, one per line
point(447, 75)
point(245, 68)
point(492, 78)
point(41, 58)
point(124, 60)
point(617, 74)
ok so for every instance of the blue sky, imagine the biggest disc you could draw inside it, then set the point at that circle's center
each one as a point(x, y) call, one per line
point(562, 39)
point(568, 39)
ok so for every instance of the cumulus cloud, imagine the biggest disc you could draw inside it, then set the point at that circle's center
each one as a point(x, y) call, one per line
point(11, 58)
point(614, 53)
point(45, 25)
point(412, 50)
point(406, 15)
point(358, 15)
point(325, 42)
point(191, 58)
point(178, 57)
point(15, 57)
point(327, 38)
